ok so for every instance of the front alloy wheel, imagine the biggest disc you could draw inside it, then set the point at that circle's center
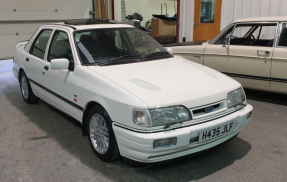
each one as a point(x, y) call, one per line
point(101, 134)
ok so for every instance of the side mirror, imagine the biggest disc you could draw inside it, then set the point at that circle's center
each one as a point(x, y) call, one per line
point(226, 42)
point(169, 49)
point(58, 64)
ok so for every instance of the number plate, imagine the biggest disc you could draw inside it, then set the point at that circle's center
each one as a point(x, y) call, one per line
point(216, 131)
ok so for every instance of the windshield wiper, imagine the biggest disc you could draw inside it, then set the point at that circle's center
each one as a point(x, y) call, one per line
point(155, 54)
point(120, 59)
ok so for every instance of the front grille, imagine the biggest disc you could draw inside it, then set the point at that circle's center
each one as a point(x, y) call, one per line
point(208, 110)
point(203, 109)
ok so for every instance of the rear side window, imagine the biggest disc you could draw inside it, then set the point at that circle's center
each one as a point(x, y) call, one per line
point(39, 46)
point(60, 47)
point(283, 36)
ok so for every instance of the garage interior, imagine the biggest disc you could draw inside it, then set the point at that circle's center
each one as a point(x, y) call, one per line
point(40, 143)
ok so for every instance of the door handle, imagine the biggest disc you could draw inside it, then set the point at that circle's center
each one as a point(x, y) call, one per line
point(265, 52)
point(195, 23)
point(27, 59)
point(46, 68)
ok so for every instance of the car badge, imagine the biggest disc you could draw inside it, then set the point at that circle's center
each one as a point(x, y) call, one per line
point(209, 109)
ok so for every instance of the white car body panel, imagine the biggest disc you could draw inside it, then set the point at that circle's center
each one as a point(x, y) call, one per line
point(157, 85)
point(139, 146)
point(120, 89)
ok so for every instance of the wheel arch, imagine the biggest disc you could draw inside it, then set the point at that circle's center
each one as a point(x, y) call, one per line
point(88, 107)
point(20, 71)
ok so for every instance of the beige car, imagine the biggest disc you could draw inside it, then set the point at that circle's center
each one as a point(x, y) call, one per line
point(253, 51)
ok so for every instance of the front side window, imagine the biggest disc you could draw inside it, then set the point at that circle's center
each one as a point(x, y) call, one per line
point(254, 34)
point(60, 47)
point(224, 38)
point(283, 36)
point(39, 46)
point(101, 45)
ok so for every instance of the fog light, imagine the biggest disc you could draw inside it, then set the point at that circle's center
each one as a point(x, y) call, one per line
point(249, 115)
point(168, 142)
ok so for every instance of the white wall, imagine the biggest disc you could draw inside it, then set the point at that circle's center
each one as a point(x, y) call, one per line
point(14, 12)
point(234, 9)
point(186, 20)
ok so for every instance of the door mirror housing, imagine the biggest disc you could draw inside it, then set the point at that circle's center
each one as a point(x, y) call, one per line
point(58, 64)
point(169, 49)
point(226, 42)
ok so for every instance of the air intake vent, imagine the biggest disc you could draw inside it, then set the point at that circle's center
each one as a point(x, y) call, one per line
point(145, 85)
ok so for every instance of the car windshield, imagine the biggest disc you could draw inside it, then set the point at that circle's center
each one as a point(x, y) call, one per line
point(98, 46)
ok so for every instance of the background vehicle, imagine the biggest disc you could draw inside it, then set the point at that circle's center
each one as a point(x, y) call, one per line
point(251, 50)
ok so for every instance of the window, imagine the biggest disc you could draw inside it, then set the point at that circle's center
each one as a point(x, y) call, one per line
point(254, 34)
point(224, 38)
point(39, 46)
point(283, 36)
point(250, 35)
point(207, 11)
point(60, 47)
point(100, 45)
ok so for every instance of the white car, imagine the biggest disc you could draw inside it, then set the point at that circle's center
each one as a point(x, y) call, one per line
point(133, 98)
point(251, 50)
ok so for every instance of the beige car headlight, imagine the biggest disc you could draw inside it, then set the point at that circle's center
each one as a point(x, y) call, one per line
point(235, 98)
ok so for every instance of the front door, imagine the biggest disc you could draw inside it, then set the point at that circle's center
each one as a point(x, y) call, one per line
point(60, 82)
point(207, 14)
point(250, 53)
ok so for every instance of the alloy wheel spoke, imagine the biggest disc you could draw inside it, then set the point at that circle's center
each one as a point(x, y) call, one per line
point(99, 133)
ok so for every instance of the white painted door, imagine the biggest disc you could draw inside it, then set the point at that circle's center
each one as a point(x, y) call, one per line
point(35, 63)
point(60, 82)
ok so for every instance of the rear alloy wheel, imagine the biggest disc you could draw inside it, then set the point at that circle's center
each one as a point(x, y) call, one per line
point(26, 90)
point(101, 135)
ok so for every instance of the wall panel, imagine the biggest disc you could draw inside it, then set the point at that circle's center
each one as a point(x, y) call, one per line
point(19, 19)
point(234, 9)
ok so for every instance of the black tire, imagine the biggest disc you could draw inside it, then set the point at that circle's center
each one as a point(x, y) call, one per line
point(112, 152)
point(31, 98)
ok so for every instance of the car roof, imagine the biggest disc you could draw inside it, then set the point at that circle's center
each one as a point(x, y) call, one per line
point(263, 19)
point(82, 24)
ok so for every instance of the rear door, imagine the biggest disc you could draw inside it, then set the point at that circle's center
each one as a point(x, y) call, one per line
point(279, 61)
point(34, 61)
point(250, 52)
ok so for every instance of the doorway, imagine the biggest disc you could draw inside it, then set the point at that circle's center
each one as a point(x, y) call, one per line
point(207, 15)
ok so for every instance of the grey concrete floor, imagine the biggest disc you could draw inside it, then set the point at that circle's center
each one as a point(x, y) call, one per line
point(39, 143)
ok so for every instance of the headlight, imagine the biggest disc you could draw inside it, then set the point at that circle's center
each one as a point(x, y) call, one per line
point(142, 118)
point(236, 97)
point(161, 116)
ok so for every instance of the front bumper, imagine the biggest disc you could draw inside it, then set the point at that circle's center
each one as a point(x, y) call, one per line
point(139, 146)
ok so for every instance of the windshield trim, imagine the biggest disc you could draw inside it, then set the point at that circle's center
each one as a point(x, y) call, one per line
point(90, 29)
